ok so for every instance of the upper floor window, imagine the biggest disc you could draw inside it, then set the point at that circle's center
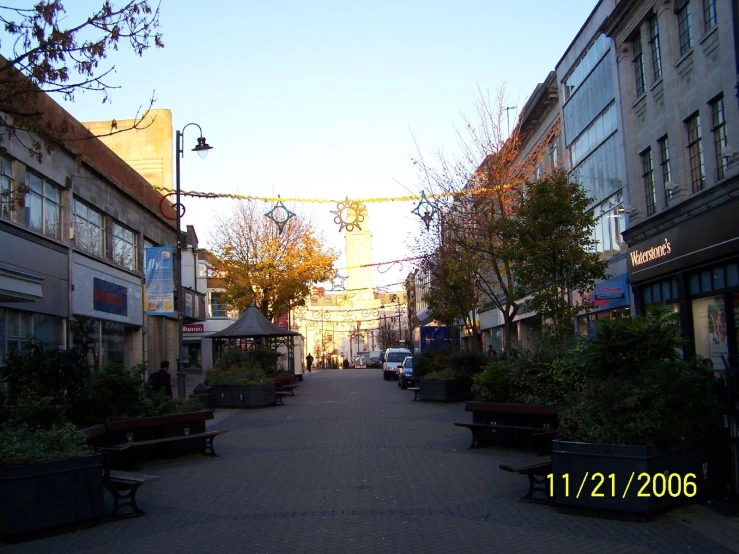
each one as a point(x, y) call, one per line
point(639, 66)
point(609, 226)
point(720, 140)
point(553, 154)
point(580, 72)
point(42, 206)
point(6, 186)
point(648, 178)
point(685, 26)
point(709, 14)
point(89, 229)
point(123, 248)
point(601, 127)
point(656, 53)
point(695, 152)
point(664, 162)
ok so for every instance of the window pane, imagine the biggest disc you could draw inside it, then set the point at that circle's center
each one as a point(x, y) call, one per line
point(732, 275)
point(718, 278)
point(705, 281)
point(666, 292)
point(695, 285)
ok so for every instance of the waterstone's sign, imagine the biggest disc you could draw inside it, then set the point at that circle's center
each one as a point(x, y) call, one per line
point(639, 257)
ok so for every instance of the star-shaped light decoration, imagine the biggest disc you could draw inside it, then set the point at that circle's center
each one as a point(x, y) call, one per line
point(339, 282)
point(349, 214)
point(280, 215)
point(428, 209)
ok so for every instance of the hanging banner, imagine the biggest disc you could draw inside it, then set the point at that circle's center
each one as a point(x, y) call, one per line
point(159, 263)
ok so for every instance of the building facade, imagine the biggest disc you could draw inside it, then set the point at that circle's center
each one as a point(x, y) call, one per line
point(677, 68)
point(73, 228)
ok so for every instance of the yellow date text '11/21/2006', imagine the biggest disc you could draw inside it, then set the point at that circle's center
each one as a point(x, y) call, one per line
point(646, 485)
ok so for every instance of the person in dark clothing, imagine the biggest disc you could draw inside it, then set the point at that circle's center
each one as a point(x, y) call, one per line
point(161, 380)
point(309, 362)
point(345, 363)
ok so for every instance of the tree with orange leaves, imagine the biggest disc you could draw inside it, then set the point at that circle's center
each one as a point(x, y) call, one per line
point(275, 270)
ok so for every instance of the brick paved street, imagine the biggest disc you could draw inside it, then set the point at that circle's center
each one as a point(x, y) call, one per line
point(352, 464)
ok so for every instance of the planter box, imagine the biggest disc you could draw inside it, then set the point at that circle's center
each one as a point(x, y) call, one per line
point(255, 396)
point(621, 462)
point(515, 415)
point(445, 390)
point(50, 494)
point(157, 427)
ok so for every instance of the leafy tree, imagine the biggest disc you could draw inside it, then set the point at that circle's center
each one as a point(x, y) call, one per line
point(273, 270)
point(477, 194)
point(557, 249)
point(47, 53)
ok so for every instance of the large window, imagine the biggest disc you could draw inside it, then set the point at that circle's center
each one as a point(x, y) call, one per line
point(709, 14)
point(664, 162)
point(601, 127)
point(648, 179)
point(123, 247)
point(685, 26)
point(720, 141)
point(17, 328)
point(585, 65)
point(639, 66)
point(695, 152)
point(656, 53)
point(6, 186)
point(610, 224)
point(217, 309)
point(89, 229)
point(42, 206)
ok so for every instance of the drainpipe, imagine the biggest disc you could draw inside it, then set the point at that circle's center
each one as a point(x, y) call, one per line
point(735, 21)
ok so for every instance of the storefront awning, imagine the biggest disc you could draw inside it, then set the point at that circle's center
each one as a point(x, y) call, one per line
point(18, 286)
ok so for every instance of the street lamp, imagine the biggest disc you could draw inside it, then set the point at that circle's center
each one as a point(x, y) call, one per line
point(201, 148)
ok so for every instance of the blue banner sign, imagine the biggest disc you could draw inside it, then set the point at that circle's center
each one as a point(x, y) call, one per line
point(159, 263)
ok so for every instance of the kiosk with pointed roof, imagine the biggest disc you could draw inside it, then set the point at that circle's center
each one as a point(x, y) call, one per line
point(252, 330)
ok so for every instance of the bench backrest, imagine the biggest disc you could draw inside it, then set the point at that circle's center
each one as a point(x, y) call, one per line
point(510, 408)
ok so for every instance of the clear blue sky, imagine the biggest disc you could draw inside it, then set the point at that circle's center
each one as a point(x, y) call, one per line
point(322, 99)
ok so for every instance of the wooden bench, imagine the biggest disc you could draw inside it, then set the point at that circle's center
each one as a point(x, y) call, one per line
point(207, 441)
point(538, 482)
point(286, 388)
point(280, 394)
point(479, 430)
point(416, 392)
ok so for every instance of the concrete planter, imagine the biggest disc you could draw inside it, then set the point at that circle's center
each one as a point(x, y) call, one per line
point(254, 396)
point(445, 390)
point(659, 474)
point(51, 494)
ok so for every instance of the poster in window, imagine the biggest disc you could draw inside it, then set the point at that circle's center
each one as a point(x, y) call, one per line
point(717, 334)
point(159, 263)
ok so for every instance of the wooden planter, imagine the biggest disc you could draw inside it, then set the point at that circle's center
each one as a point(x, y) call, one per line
point(157, 427)
point(51, 494)
point(445, 390)
point(659, 474)
point(514, 415)
point(254, 396)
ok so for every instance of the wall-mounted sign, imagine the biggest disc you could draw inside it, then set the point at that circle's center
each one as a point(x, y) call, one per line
point(193, 328)
point(610, 294)
point(159, 264)
point(639, 257)
point(109, 297)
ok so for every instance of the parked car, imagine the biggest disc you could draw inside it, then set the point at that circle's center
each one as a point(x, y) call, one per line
point(393, 358)
point(405, 373)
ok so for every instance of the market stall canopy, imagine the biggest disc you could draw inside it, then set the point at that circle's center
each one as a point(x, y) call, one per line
point(252, 324)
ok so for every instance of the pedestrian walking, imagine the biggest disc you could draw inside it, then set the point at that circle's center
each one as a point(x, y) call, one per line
point(309, 362)
point(162, 380)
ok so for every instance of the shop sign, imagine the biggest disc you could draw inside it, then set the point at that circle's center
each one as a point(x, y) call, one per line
point(109, 297)
point(193, 328)
point(639, 257)
point(610, 294)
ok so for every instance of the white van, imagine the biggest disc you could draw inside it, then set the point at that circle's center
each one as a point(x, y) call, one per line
point(393, 358)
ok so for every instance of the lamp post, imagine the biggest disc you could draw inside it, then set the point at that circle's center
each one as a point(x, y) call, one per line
point(201, 148)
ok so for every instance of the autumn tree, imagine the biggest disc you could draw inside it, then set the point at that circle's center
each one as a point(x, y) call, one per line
point(557, 249)
point(274, 270)
point(477, 193)
point(44, 52)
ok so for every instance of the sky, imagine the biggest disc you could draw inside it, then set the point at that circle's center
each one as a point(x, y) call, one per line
point(330, 99)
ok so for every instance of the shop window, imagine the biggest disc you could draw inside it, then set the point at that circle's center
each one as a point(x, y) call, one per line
point(666, 291)
point(732, 275)
point(647, 295)
point(112, 342)
point(718, 278)
point(709, 329)
point(706, 281)
point(656, 292)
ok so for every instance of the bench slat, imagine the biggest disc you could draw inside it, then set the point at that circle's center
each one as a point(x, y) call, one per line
point(132, 478)
point(495, 426)
point(177, 438)
point(541, 467)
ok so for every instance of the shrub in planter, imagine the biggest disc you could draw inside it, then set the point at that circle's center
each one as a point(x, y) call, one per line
point(641, 410)
point(21, 444)
point(236, 377)
point(466, 362)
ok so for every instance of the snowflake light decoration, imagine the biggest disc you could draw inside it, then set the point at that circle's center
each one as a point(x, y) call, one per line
point(276, 214)
point(429, 210)
point(349, 214)
point(339, 283)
